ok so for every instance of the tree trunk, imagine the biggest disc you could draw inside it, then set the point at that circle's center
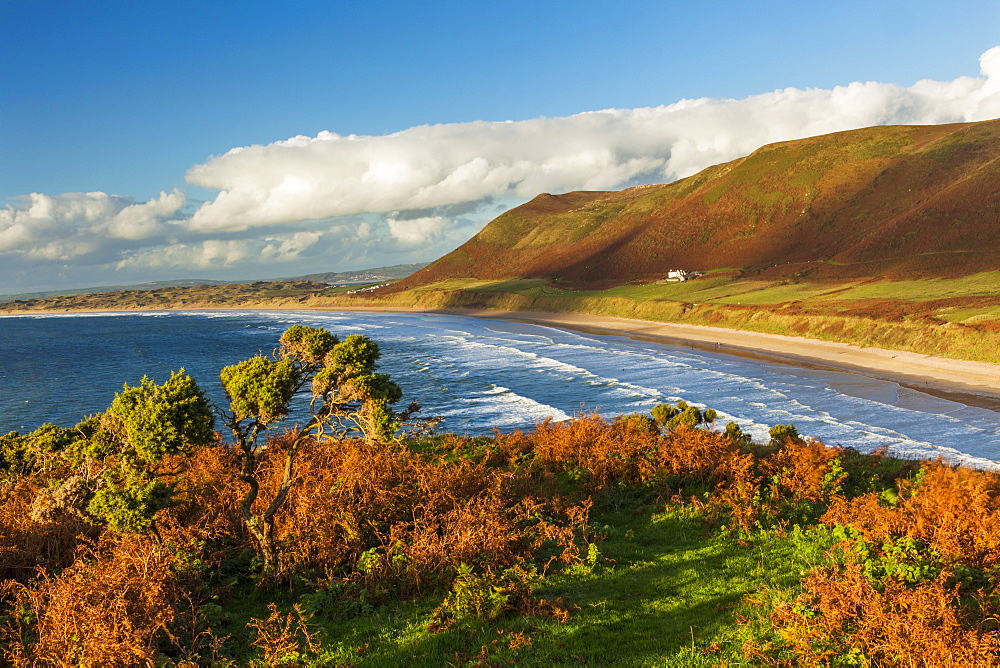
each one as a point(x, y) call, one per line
point(262, 527)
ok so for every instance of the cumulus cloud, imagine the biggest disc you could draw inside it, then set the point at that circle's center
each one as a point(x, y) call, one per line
point(425, 167)
point(414, 232)
point(215, 253)
point(68, 226)
point(359, 199)
point(147, 219)
point(269, 249)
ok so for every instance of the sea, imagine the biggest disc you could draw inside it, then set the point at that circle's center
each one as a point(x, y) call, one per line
point(480, 375)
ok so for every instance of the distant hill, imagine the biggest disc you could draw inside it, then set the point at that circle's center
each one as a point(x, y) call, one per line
point(395, 272)
point(154, 285)
point(892, 201)
point(375, 275)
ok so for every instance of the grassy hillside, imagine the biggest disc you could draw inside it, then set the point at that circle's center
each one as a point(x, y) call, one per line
point(907, 201)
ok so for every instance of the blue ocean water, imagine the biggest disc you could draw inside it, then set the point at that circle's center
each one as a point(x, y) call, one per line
point(480, 374)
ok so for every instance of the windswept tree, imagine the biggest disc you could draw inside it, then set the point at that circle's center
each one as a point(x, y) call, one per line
point(346, 396)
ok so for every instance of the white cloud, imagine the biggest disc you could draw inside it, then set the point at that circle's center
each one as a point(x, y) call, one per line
point(72, 225)
point(415, 232)
point(432, 166)
point(145, 220)
point(215, 253)
point(209, 253)
point(375, 199)
point(282, 250)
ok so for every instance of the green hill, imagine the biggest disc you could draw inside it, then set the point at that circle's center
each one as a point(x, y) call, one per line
point(902, 201)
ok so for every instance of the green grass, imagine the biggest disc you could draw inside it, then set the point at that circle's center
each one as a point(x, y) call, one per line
point(666, 591)
point(701, 290)
point(725, 289)
point(770, 292)
point(728, 291)
point(970, 316)
point(985, 283)
point(480, 285)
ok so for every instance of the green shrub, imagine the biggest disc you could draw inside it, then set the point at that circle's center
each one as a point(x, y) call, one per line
point(682, 414)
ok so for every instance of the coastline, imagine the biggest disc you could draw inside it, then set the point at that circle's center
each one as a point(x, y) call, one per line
point(973, 383)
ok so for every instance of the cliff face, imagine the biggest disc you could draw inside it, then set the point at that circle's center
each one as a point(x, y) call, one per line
point(884, 201)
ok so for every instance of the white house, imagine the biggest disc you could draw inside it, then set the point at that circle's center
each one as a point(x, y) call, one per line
point(677, 275)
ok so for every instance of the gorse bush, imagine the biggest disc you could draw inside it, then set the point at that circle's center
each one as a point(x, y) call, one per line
point(682, 414)
point(157, 420)
point(346, 396)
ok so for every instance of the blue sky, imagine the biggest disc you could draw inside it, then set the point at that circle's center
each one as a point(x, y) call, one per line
point(122, 117)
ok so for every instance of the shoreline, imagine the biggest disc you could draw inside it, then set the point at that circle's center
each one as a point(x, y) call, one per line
point(972, 383)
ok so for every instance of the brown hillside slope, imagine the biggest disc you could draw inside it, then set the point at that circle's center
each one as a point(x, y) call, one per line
point(896, 201)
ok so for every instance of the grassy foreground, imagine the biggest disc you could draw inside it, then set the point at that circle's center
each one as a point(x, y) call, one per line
point(661, 589)
point(596, 542)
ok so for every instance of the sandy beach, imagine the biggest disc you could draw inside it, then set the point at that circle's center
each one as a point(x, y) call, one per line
point(977, 382)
